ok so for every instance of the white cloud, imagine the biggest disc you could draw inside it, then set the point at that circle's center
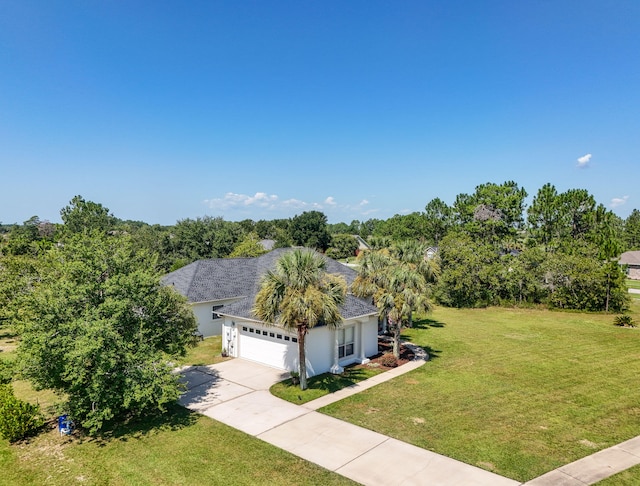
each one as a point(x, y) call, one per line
point(618, 201)
point(330, 201)
point(262, 201)
point(231, 201)
point(584, 160)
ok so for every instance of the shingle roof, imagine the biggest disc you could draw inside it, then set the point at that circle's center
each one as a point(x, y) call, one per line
point(630, 258)
point(226, 278)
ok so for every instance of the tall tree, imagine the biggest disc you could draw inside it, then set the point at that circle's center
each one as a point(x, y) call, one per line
point(439, 219)
point(100, 328)
point(86, 216)
point(632, 231)
point(310, 229)
point(404, 226)
point(297, 295)
point(607, 238)
point(206, 237)
point(544, 216)
point(577, 209)
point(493, 212)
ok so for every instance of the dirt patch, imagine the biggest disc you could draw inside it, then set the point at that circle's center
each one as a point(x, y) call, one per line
point(588, 443)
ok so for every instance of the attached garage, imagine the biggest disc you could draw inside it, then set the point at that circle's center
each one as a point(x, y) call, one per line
point(268, 346)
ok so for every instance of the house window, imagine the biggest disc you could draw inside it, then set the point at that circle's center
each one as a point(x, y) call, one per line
point(279, 336)
point(345, 341)
point(294, 340)
point(214, 314)
point(244, 328)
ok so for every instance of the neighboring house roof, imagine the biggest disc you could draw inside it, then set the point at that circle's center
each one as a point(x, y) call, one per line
point(267, 244)
point(362, 245)
point(630, 258)
point(226, 278)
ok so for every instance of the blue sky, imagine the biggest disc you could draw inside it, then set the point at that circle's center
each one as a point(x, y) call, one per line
point(165, 110)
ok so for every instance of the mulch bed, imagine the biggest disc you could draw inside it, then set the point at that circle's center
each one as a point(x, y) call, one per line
point(385, 347)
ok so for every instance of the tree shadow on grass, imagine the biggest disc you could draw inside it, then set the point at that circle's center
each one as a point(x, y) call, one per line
point(332, 383)
point(433, 353)
point(176, 417)
point(427, 323)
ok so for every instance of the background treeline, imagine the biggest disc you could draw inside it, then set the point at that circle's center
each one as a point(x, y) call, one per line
point(492, 248)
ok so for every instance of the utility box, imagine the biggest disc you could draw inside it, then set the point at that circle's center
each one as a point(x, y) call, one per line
point(65, 425)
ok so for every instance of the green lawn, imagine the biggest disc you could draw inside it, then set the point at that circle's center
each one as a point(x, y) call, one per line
point(323, 384)
point(633, 284)
point(518, 392)
point(189, 450)
point(206, 352)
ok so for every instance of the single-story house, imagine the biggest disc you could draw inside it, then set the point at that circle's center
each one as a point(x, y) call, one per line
point(222, 293)
point(362, 245)
point(632, 260)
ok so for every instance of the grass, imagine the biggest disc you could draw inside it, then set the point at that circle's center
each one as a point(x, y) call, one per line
point(180, 449)
point(633, 284)
point(321, 385)
point(206, 352)
point(518, 392)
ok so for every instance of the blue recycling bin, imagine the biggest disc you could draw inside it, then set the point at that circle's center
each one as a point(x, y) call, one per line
point(65, 425)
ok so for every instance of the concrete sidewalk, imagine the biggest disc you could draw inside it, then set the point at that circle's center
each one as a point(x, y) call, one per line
point(593, 468)
point(236, 393)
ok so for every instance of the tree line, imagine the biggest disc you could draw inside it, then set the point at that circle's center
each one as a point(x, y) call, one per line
point(492, 248)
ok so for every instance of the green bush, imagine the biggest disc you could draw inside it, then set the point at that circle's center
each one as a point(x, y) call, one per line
point(7, 370)
point(18, 419)
point(624, 320)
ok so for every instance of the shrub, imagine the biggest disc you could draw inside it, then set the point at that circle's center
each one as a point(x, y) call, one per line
point(624, 320)
point(7, 370)
point(18, 419)
point(388, 360)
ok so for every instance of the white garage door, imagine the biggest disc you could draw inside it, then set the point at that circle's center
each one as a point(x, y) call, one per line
point(269, 346)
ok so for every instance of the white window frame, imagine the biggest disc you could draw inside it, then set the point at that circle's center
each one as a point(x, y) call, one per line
point(346, 348)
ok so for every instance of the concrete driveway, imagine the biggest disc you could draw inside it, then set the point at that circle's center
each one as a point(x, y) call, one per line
point(236, 393)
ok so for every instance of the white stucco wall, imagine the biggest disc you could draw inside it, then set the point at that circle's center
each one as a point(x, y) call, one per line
point(203, 312)
point(320, 345)
point(370, 336)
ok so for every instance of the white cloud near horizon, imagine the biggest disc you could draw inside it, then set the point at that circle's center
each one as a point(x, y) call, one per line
point(584, 160)
point(618, 201)
point(271, 202)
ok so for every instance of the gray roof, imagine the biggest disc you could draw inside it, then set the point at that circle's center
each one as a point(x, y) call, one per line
point(227, 278)
point(630, 258)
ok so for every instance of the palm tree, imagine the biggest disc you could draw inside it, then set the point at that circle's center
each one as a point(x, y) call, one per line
point(413, 254)
point(297, 295)
point(396, 287)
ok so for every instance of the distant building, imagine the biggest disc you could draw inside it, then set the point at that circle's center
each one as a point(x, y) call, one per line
point(632, 260)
